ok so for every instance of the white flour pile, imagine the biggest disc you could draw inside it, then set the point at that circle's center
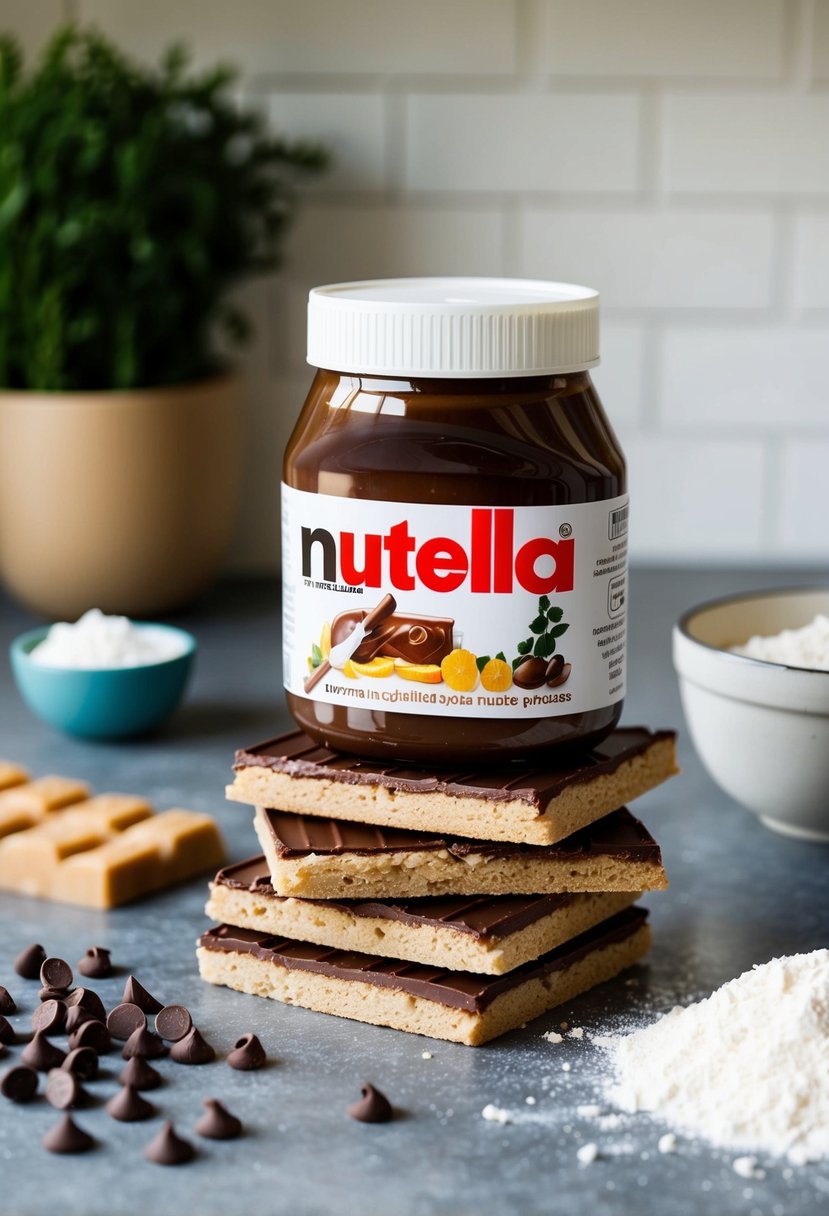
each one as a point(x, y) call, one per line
point(748, 1068)
point(807, 647)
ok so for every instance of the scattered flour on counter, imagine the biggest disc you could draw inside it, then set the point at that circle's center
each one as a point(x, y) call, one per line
point(495, 1114)
point(746, 1068)
point(587, 1154)
point(552, 1036)
point(807, 647)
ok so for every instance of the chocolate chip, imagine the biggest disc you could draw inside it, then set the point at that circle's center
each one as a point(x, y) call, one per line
point(52, 994)
point(83, 1062)
point(7, 1004)
point(96, 963)
point(563, 675)
point(217, 1123)
point(192, 1049)
point(373, 1107)
point(76, 1017)
point(7, 1035)
point(29, 961)
point(129, 1107)
point(167, 1148)
point(56, 973)
point(41, 1054)
point(50, 1017)
point(139, 1074)
point(137, 994)
point(67, 1137)
point(63, 1089)
point(92, 1034)
point(173, 1022)
point(19, 1084)
point(248, 1054)
point(124, 1020)
point(142, 1042)
point(85, 998)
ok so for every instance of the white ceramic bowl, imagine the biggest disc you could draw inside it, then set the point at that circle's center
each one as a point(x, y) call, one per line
point(761, 729)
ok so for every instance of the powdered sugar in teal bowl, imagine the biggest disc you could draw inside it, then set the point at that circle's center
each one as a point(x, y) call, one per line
point(103, 677)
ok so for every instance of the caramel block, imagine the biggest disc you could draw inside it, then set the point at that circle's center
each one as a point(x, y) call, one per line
point(28, 803)
point(106, 850)
point(11, 774)
point(155, 853)
point(453, 1005)
point(29, 859)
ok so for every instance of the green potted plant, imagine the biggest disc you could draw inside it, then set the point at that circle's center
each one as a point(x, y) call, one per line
point(131, 201)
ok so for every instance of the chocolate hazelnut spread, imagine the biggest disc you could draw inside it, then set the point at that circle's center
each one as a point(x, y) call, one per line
point(454, 525)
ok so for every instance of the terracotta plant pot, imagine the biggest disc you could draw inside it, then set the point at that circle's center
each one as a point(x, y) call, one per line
point(122, 501)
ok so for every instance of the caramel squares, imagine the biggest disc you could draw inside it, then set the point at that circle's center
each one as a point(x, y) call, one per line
point(430, 1000)
point(332, 859)
point(29, 802)
point(533, 805)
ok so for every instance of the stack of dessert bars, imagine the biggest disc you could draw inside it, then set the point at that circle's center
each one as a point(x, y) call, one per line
point(455, 905)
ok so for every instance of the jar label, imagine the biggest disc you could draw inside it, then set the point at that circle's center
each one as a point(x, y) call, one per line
point(472, 612)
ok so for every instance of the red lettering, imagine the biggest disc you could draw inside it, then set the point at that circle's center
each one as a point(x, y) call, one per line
point(562, 553)
point(399, 545)
point(504, 542)
point(371, 573)
point(442, 564)
point(481, 565)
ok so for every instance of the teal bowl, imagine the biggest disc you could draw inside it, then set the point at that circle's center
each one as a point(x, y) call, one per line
point(102, 703)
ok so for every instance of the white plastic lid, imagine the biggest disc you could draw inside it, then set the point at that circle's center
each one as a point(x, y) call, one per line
point(454, 327)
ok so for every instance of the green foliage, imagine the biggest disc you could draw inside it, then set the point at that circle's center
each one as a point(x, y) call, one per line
point(131, 201)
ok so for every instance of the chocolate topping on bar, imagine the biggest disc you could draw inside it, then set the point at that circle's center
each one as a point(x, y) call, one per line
point(459, 990)
point(480, 916)
point(298, 756)
point(617, 835)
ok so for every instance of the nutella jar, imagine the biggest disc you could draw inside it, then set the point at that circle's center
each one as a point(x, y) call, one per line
point(454, 516)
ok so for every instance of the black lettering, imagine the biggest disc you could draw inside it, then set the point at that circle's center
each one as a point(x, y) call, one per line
point(329, 553)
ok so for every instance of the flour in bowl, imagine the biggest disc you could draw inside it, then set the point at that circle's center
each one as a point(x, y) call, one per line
point(96, 642)
point(807, 647)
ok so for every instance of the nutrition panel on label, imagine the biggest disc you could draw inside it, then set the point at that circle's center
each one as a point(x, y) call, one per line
point(460, 611)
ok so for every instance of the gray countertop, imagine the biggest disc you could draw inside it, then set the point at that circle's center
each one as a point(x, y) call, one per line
point(738, 896)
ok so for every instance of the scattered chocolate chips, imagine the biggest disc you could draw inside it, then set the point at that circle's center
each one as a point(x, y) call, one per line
point(96, 963)
point(248, 1054)
point(192, 1049)
point(2, 1050)
point(168, 1148)
point(85, 998)
point(173, 1022)
point(7, 1004)
point(53, 994)
point(129, 1107)
point(19, 1084)
point(50, 1017)
point(142, 1042)
point(83, 1062)
point(29, 961)
point(124, 1020)
point(41, 1054)
point(139, 1074)
point(67, 1137)
point(7, 1034)
point(75, 1018)
point(92, 1034)
point(64, 1090)
point(56, 973)
point(137, 994)
point(373, 1107)
point(217, 1123)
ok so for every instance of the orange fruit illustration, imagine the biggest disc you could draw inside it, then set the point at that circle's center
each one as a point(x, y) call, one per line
point(375, 667)
point(348, 670)
point(496, 676)
point(325, 640)
point(460, 671)
point(421, 673)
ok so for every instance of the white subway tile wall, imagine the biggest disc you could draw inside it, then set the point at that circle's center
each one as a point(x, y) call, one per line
point(673, 154)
